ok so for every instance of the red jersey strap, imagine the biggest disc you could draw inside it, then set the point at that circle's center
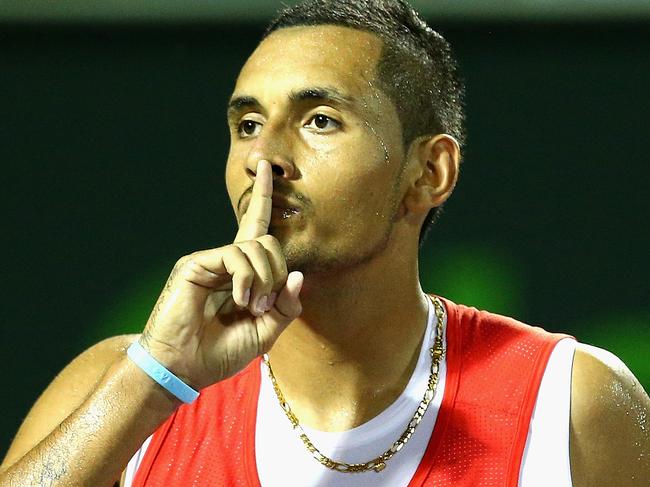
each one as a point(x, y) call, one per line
point(494, 368)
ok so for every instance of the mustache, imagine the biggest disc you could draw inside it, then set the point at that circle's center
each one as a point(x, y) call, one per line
point(296, 199)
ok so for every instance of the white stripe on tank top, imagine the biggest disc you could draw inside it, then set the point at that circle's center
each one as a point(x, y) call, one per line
point(281, 455)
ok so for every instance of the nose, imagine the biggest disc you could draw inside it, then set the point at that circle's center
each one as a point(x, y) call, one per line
point(272, 148)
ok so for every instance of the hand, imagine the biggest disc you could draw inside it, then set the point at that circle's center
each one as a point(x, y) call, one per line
point(221, 308)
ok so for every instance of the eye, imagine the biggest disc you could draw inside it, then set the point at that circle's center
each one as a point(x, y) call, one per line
point(247, 128)
point(323, 123)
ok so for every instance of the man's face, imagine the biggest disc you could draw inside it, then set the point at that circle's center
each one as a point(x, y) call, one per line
point(306, 101)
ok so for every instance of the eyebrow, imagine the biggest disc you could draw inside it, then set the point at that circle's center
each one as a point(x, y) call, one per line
point(320, 94)
point(324, 94)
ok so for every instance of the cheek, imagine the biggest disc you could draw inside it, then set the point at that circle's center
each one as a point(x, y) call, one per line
point(351, 176)
point(360, 197)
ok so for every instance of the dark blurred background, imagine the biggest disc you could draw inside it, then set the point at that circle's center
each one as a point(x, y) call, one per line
point(113, 145)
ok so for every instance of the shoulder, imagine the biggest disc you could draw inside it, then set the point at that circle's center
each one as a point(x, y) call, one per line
point(66, 393)
point(477, 325)
point(609, 431)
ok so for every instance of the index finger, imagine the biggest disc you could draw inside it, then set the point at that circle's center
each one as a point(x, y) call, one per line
point(255, 221)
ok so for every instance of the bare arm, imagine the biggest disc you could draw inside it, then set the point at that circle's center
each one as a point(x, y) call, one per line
point(219, 309)
point(88, 423)
point(610, 441)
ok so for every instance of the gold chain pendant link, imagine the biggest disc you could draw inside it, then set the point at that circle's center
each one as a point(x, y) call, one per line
point(378, 464)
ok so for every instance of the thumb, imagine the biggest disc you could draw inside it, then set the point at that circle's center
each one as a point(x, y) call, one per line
point(287, 307)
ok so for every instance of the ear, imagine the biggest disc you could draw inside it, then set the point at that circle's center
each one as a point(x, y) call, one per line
point(435, 172)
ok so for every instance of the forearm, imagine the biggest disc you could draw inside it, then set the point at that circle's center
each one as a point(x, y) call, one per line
point(93, 445)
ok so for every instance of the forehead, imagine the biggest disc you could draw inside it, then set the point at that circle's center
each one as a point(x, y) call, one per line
point(330, 55)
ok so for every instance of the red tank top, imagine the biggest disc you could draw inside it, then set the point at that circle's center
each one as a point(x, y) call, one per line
point(494, 368)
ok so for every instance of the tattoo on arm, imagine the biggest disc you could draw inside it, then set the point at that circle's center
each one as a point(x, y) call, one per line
point(145, 337)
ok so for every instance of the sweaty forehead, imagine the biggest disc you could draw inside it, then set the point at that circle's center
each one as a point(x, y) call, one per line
point(330, 55)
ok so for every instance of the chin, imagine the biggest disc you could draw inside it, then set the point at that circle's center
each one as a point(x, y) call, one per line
point(298, 257)
point(312, 260)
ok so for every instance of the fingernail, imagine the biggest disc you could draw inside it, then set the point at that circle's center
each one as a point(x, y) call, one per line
point(247, 296)
point(271, 302)
point(261, 304)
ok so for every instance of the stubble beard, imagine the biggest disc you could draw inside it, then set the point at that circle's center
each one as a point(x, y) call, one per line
point(313, 259)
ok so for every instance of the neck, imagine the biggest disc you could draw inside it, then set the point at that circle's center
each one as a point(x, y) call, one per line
point(352, 351)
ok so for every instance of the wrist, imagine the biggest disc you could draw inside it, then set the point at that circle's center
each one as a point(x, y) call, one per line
point(168, 357)
point(161, 374)
point(141, 388)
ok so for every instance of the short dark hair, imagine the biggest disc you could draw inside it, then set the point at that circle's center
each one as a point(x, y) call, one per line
point(416, 70)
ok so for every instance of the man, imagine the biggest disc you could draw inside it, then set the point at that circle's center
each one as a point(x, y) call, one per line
point(346, 128)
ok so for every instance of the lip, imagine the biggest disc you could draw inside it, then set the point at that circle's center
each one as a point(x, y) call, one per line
point(283, 203)
point(282, 209)
point(278, 213)
point(278, 205)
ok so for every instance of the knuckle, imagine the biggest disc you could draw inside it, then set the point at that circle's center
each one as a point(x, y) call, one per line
point(246, 277)
point(232, 249)
point(266, 281)
point(282, 273)
point(279, 278)
point(249, 246)
point(268, 240)
point(233, 253)
point(190, 269)
point(282, 276)
point(273, 247)
point(180, 263)
point(255, 245)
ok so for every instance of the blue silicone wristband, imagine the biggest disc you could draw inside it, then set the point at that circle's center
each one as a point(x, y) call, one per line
point(160, 374)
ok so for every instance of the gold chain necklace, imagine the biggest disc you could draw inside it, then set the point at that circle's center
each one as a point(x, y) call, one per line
point(379, 463)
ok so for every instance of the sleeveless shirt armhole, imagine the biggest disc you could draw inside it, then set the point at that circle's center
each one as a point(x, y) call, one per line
point(453, 358)
point(147, 454)
point(138, 468)
point(134, 464)
point(250, 417)
point(545, 459)
point(526, 411)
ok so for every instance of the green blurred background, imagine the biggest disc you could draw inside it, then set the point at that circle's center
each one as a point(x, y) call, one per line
point(113, 143)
